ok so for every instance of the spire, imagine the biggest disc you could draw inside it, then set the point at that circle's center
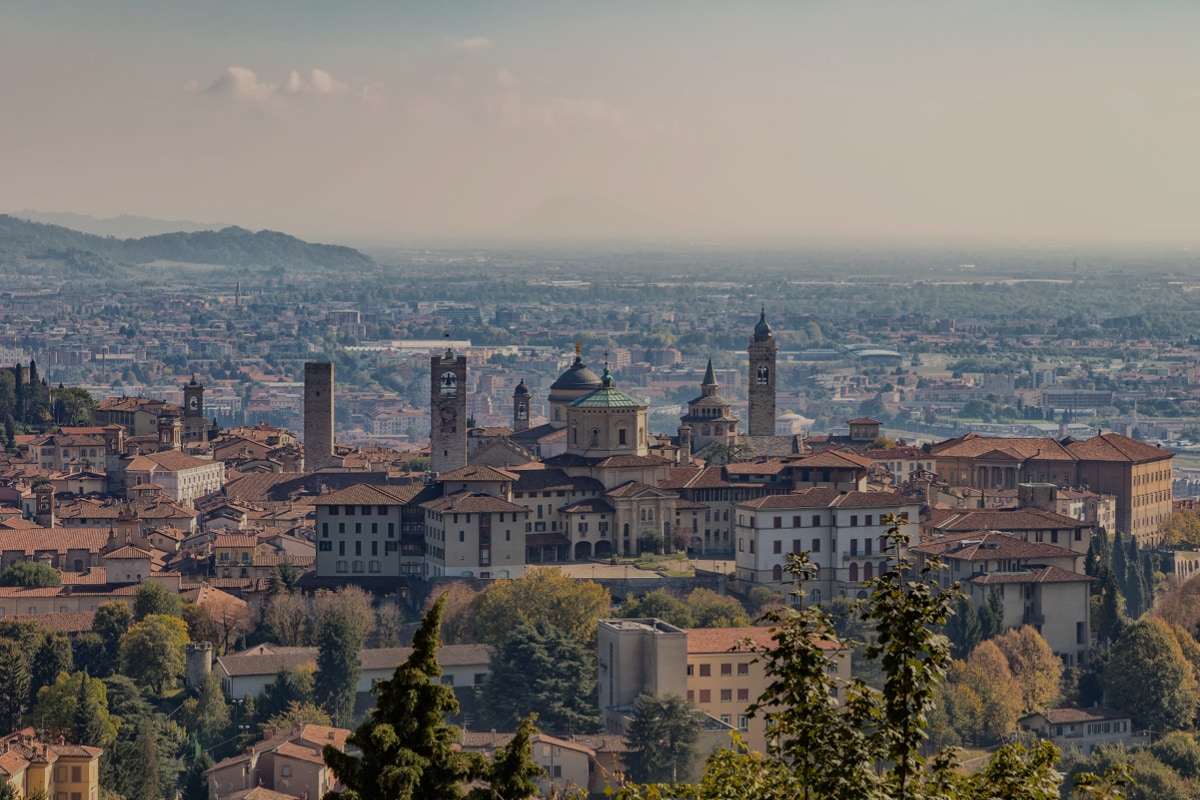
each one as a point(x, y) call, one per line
point(762, 329)
point(710, 378)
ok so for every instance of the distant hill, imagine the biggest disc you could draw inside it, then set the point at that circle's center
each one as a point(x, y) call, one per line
point(126, 226)
point(25, 242)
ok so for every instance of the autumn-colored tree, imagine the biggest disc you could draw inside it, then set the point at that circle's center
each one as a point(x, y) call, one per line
point(1182, 529)
point(1034, 667)
point(542, 595)
point(1148, 676)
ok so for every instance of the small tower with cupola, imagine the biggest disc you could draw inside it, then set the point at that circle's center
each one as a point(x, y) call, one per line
point(762, 352)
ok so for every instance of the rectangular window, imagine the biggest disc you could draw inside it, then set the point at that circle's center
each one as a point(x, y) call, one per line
point(778, 522)
point(796, 522)
point(705, 670)
point(349, 511)
point(374, 527)
point(391, 530)
point(816, 548)
point(324, 530)
point(381, 511)
point(358, 527)
point(816, 520)
point(341, 548)
point(690, 670)
point(334, 511)
point(365, 511)
point(325, 547)
point(358, 548)
point(727, 695)
point(462, 536)
point(743, 695)
point(705, 696)
point(869, 517)
point(853, 520)
point(727, 669)
point(743, 669)
point(743, 722)
point(341, 527)
point(778, 547)
point(691, 696)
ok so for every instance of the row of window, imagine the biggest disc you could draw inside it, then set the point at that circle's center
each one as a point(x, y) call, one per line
point(743, 696)
point(356, 566)
point(743, 668)
point(364, 511)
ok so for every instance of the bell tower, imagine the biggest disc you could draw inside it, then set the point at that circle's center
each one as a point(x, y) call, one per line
point(448, 412)
point(521, 397)
point(762, 352)
point(194, 424)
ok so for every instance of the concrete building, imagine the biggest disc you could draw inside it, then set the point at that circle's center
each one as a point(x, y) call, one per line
point(318, 415)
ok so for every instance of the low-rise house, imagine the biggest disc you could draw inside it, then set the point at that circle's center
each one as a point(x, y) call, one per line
point(52, 770)
point(569, 765)
point(1082, 729)
point(289, 763)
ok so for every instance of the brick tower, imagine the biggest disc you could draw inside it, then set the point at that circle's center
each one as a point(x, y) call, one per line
point(318, 415)
point(448, 412)
point(762, 379)
point(521, 397)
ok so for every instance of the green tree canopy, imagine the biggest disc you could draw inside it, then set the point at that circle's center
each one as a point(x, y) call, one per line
point(573, 607)
point(75, 707)
point(540, 669)
point(152, 651)
point(30, 573)
point(154, 598)
point(661, 739)
point(1147, 676)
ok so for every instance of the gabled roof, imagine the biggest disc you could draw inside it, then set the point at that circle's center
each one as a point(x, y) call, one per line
point(637, 489)
point(1032, 575)
point(466, 502)
point(1002, 519)
point(984, 545)
point(365, 494)
point(128, 551)
point(1115, 447)
point(477, 473)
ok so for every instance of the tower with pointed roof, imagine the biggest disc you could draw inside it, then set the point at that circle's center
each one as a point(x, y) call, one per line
point(709, 417)
point(762, 352)
point(194, 424)
point(521, 397)
point(448, 412)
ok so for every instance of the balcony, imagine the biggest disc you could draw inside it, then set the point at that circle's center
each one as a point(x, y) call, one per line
point(1037, 620)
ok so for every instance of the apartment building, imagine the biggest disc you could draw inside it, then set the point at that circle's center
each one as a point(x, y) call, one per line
point(843, 532)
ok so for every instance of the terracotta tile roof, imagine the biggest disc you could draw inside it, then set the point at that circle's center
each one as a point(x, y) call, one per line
point(871, 500)
point(366, 494)
point(66, 621)
point(1032, 575)
point(983, 545)
point(537, 480)
point(636, 488)
point(597, 505)
point(258, 792)
point(1062, 716)
point(300, 753)
point(12, 762)
point(1115, 447)
point(58, 540)
point(128, 551)
point(174, 461)
point(477, 473)
point(772, 466)
point(472, 503)
point(1001, 519)
point(973, 445)
point(813, 497)
point(235, 540)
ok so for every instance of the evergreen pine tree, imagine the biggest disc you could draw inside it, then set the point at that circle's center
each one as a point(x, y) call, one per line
point(991, 616)
point(963, 628)
point(14, 684)
point(146, 766)
point(92, 726)
point(407, 749)
point(1108, 622)
point(1119, 566)
point(52, 656)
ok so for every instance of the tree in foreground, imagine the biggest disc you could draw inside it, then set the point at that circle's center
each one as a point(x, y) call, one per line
point(152, 651)
point(407, 749)
point(31, 574)
point(830, 738)
point(661, 738)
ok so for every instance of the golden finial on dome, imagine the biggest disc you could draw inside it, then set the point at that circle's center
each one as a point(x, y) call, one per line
point(579, 349)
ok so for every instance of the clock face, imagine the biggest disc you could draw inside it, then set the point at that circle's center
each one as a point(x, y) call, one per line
point(449, 383)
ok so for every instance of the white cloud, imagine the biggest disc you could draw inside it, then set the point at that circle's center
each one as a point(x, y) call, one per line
point(473, 43)
point(241, 83)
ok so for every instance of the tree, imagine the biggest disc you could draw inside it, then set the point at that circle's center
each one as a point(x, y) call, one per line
point(195, 782)
point(287, 620)
point(661, 738)
point(295, 715)
point(712, 610)
point(207, 714)
point(539, 668)
point(286, 689)
point(112, 621)
point(1034, 667)
point(963, 629)
point(658, 604)
point(1109, 620)
point(75, 706)
point(991, 616)
point(339, 640)
point(283, 579)
point(987, 675)
point(458, 620)
point(52, 657)
point(154, 598)
point(14, 684)
point(201, 626)
point(406, 747)
point(513, 773)
point(1148, 677)
point(152, 651)
point(89, 654)
point(30, 573)
point(1182, 529)
point(574, 607)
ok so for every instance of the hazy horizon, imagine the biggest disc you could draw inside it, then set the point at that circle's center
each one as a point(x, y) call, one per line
point(377, 123)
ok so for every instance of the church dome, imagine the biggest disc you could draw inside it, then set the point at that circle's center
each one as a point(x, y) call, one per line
point(577, 378)
point(522, 389)
point(762, 329)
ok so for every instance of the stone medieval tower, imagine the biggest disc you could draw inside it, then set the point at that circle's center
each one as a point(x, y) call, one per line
point(318, 415)
point(762, 379)
point(194, 425)
point(447, 412)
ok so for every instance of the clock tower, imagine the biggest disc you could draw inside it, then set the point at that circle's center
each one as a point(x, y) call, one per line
point(448, 412)
point(762, 352)
point(194, 425)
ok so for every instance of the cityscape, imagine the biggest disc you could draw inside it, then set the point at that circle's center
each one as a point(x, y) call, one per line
point(780, 401)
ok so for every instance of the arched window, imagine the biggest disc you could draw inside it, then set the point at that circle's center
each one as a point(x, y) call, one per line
point(868, 571)
point(595, 437)
point(816, 595)
point(854, 573)
point(883, 567)
point(777, 573)
point(574, 434)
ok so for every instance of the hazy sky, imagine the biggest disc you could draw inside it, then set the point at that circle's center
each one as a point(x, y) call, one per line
point(391, 119)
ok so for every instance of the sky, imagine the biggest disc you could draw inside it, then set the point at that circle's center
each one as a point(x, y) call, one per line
point(388, 120)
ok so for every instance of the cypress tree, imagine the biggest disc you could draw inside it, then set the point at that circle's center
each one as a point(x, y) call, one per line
point(14, 684)
point(964, 629)
point(1119, 566)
